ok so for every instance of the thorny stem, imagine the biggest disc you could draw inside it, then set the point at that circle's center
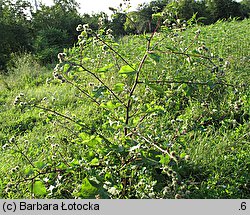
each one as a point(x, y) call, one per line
point(129, 103)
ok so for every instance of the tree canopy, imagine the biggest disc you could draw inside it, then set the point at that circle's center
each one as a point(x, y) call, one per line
point(49, 29)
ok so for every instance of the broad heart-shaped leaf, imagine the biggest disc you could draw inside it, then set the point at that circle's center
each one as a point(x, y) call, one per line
point(40, 164)
point(155, 87)
point(94, 162)
point(28, 171)
point(155, 57)
point(164, 159)
point(119, 87)
point(105, 68)
point(87, 189)
point(39, 189)
point(110, 105)
point(90, 140)
point(128, 70)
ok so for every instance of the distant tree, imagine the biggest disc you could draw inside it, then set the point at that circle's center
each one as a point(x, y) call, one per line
point(187, 8)
point(51, 22)
point(63, 15)
point(223, 9)
point(48, 43)
point(141, 20)
point(117, 24)
point(15, 33)
point(245, 8)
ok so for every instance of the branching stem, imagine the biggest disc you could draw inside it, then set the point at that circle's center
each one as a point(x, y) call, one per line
point(129, 103)
point(101, 81)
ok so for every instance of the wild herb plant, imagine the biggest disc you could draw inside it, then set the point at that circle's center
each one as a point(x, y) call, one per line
point(131, 143)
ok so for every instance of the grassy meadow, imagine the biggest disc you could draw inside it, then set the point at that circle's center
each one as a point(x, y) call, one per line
point(199, 114)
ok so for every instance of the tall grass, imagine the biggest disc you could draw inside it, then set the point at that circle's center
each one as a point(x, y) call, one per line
point(211, 128)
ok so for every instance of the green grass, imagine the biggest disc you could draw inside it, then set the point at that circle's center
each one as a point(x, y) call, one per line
point(208, 123)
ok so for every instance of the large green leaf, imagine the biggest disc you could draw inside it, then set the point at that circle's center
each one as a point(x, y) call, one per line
point(90, 140)
point(99, 91)
point(110, 105)
point(87, 189)
point(39, 188)
point(105, 68)
point(155, 57)
point(28, 171)
point(94, 162)
point(119, 87)
point(40, 164)
point(128, 70)
point(164, 159)
point(155, 87)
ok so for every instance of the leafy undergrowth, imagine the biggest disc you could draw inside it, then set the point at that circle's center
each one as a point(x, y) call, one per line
point(187, 135)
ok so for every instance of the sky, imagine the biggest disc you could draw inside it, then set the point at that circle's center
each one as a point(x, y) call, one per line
point(89, 6)
point(95, 6)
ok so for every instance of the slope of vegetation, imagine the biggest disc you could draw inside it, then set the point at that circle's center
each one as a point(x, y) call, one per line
point(187, 134)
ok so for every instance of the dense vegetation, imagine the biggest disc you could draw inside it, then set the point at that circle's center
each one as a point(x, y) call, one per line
point(47, 30)
point(163, 114)
point(187, 135)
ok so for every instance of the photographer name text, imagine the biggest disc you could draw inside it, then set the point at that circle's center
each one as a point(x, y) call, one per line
point(37, 206)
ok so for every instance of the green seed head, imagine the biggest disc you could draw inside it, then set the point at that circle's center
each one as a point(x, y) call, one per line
point(79, 27)
point(178, 196)
point(12, 140)
point(173, 154)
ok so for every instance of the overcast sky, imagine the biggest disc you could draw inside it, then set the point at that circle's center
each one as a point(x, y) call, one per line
point(89, 6)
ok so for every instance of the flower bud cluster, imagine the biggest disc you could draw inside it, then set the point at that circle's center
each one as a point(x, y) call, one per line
point(175, 23)
point(109, 34)
point(85, 31)
point(19, 100)
point(82, 43)
point(61, 57)
point(16, 168)
point(101, 20)
point(84, 27)
point(12, 140)
point(5, 146)
point(58, 76)
point(178, 196)
point(203, 48)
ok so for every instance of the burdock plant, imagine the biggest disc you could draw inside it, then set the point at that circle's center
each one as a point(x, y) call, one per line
point(129, 139)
